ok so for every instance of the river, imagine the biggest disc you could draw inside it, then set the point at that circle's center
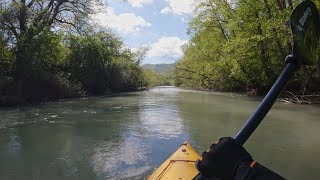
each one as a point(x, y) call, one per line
point(128, 135)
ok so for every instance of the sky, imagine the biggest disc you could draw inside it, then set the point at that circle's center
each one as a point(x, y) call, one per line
point(159, 24)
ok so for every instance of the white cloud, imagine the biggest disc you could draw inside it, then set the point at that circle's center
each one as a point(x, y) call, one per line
point(139, 3)
point(126, 22)
point(179, 7)
point(136, 49)
point(167, 46)
point(165, 10)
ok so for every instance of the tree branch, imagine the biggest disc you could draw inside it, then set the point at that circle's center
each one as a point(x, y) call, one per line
point(65, 22)
point(31, 3)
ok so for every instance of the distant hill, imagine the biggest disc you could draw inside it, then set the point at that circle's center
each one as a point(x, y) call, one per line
point(159, 68)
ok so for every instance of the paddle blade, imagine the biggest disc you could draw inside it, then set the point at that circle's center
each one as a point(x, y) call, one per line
point(305, 26)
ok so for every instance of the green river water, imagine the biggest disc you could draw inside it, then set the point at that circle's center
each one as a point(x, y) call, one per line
point(129, 135)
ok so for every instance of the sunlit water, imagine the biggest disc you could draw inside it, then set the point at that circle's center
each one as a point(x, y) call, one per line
point(129, 135)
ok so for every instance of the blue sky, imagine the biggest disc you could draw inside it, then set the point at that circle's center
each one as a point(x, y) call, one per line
point(159, 24)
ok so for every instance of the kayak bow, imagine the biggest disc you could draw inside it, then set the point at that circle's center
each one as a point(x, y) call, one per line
point(180, 165)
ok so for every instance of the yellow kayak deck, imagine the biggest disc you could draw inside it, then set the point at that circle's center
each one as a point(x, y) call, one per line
point(180, 165)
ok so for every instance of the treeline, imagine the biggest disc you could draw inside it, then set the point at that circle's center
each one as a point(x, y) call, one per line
point(49, 51)
point(154, 78)
point(159, 74)
point(241, 46)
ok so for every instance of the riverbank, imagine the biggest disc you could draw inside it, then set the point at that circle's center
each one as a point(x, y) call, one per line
point(286, 96)
point(311, 98)
point(12, 101)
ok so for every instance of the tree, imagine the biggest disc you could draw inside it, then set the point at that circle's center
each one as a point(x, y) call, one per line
point(49, 49)
point(101, 63)
point(26, 20)
point(6, 58)
point(237, 45)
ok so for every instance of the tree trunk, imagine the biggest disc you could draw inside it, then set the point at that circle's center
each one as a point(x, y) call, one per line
point(305, 81)
point(263, 52)
point(290, 4)
point(318, 67)
point(274, 31)
point(280, 5)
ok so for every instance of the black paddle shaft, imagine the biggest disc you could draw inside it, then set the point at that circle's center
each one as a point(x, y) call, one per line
point(266, 104)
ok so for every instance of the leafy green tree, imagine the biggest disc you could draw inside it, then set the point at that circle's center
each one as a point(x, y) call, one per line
point(90, 60)
point(48, 50)
point(238, 45)
point(158, 79)
point(25, 20)
point(101, 64)
point(6, 58)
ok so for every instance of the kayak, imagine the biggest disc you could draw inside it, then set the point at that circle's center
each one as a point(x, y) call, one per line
point(180, 165)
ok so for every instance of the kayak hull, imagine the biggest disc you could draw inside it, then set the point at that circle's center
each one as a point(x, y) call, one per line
point(180, 165)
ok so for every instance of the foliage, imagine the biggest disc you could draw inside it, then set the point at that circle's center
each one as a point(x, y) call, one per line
point(154, 78)
point(159, 74)
point(101, 64)
point(6, 58)
point(27, 23)
point(49, 51)
point(237, 45)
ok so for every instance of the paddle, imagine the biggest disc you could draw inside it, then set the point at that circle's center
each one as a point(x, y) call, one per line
point(305, 26)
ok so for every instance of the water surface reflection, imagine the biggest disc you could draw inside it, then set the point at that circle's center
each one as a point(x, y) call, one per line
point(128, 135)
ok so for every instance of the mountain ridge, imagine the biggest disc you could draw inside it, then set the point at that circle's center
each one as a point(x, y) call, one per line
point(159, 68)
